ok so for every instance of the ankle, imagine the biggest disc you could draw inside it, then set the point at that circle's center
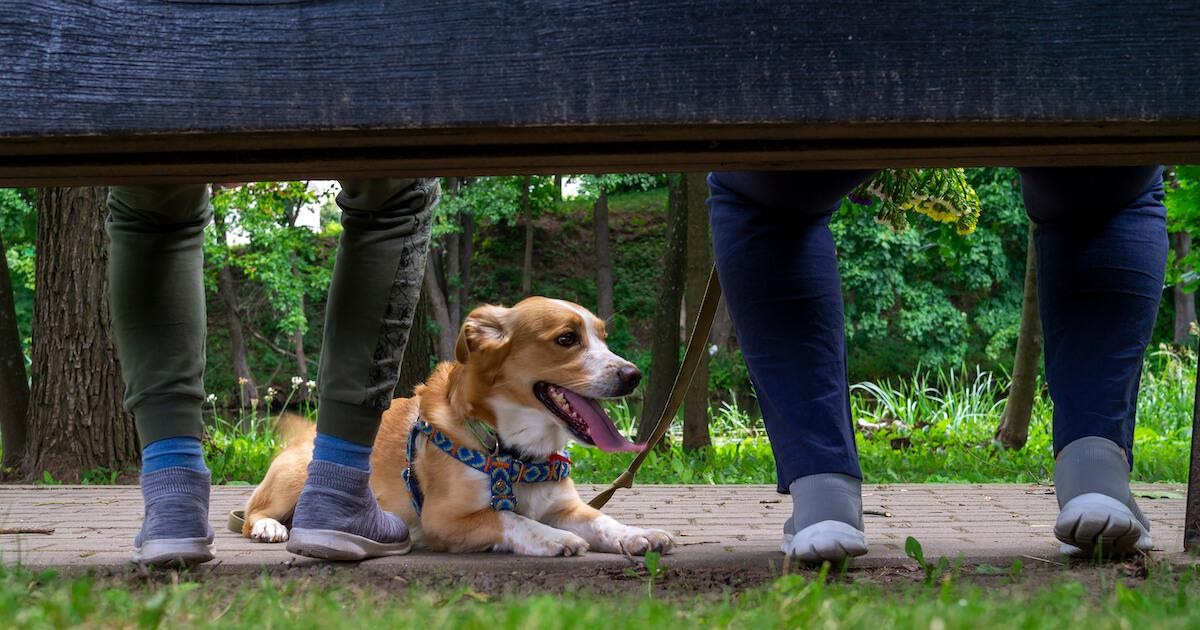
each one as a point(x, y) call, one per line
point(826, 497)
point(1091, 465)
point(174, 452)
point(328, 448)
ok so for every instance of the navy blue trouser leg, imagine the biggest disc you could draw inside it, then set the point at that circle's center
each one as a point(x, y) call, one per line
point(1101, 245)
point(778, 267)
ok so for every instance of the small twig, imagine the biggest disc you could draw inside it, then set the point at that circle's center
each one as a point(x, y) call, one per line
point(1043, 560)
point(26, 530)
point(878, 513)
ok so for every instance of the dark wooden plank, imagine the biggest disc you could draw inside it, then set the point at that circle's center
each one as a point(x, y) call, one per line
point(124, 90)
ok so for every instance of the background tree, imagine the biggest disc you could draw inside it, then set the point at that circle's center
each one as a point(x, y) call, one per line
point(527, 221)
point(597, 188)
point(492, 202)
point(699, 264)
point(75, 419)
point(1183, 220)
point(283, 258)
point(16, 214)
point(665, 330)
point(217, 257)
point(1018, 409)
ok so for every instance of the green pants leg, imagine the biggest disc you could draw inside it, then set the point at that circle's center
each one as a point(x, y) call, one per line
point(156, 284)
point(157, 294)
point(376, 283)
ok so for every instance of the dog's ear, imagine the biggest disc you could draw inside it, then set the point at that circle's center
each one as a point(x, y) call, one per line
point(483, 330)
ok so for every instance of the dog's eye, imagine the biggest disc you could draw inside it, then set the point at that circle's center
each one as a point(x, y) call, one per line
point(567, 339)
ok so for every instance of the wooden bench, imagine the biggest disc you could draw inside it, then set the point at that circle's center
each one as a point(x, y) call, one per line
point(117, 91)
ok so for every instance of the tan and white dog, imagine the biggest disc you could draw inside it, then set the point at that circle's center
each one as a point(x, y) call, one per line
point(532, 374)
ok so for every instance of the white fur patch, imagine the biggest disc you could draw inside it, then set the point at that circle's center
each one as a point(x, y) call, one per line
point(528, 537)
point(268, 530)
point(528, 429)
point(607, 535)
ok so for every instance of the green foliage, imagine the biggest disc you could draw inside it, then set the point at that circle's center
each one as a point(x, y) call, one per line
point(1183, 215)
point(285, 259)
point(928, 296)
point(18, 230)
point(493, 201)
point(590, 186)
point(241, 450)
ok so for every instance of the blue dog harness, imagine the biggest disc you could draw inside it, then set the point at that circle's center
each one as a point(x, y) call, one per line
point(503, 470)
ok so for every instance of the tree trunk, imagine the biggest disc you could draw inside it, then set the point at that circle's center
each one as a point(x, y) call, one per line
point(76, 421)
point(604, 279)
point(664, 331)
point(722, 328)
point(699, 263)
point(558, 181)
point(450, 276)
point(527, 261)
point(466, 249)
point(437, 305)
point(14, 382)
point(298, 350)
point(247, 389)
point(1014, 422)
point(414, 365)
point(1185, 303)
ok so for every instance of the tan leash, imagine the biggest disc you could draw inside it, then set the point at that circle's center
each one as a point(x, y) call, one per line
point(696, 346)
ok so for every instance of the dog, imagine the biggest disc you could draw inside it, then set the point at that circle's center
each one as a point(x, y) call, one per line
point(525, 380)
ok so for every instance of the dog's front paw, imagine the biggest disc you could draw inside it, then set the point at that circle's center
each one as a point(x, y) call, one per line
point(638, 541)
point(551, 543)
point(269, 530)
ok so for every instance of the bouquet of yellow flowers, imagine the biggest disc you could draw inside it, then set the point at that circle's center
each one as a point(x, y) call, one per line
point(942, 194)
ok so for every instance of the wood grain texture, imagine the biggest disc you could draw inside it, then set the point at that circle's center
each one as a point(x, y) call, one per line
point(124, 90)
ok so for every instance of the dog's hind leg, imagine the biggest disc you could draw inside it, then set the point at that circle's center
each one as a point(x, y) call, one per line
point(275, 499)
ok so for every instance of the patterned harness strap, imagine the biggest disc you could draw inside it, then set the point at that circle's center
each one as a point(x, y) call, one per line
point(504, 470)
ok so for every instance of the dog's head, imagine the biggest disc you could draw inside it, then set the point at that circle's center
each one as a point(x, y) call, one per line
point(540, 367)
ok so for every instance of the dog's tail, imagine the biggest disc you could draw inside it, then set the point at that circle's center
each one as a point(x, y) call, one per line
point(294, 428)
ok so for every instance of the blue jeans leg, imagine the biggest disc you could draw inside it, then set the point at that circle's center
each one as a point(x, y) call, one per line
point(1102, 246)
point(778, 267)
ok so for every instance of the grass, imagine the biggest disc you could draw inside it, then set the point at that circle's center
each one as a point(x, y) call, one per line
point(997, 598)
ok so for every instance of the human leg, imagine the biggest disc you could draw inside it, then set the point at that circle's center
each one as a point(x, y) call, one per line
point(156, 237)
point(1102, 247)
point(778, 267)
point(376, 283)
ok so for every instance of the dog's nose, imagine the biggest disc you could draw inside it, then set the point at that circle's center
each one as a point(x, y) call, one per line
point(630, 376)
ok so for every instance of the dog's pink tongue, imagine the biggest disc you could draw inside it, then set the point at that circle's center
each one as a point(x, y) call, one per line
point(601, 429)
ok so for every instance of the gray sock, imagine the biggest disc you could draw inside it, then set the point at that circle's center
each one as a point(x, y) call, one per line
point(176, 528)
point(825, 497)
point(338, 498)
point(1094, 464)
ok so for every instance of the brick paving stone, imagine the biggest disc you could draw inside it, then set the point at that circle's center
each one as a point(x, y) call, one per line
point(717, 526)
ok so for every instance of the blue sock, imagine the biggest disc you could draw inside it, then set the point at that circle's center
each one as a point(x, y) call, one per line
point(332, 449)
point(175, 452)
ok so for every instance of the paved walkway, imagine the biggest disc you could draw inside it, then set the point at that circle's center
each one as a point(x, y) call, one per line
point(718, 527)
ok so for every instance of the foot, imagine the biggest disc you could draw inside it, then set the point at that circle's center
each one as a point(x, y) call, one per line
point(826, 522)
point(175, 531)
point(337, 518)
point(1097, 525)
point(1097, 514)
point(832, 541)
